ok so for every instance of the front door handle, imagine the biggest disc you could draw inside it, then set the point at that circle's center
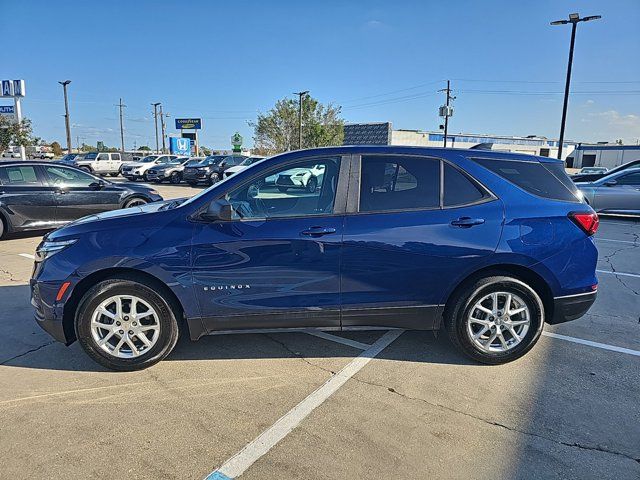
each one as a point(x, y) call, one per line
point(61, 192)
point(467, 222)
point(318, 231)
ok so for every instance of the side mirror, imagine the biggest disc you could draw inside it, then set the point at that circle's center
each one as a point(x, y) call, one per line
point(218, 210)
point(610, 183)
point(98, 185)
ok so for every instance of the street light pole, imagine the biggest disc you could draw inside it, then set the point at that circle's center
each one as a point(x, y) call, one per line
point(155, 117)
point(66, 113)
point(121, 106)
point(574, 19)
point(164, 146)
point(300, 95)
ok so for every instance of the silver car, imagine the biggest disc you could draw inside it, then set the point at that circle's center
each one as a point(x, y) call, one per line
point(618, 193)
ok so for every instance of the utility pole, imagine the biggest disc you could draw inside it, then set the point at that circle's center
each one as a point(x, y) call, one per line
point(121, 106)
point(446, 110)
point(300, 95)
point(574, 19)
point(155, 117)
point(66, 113)
point(164, 147)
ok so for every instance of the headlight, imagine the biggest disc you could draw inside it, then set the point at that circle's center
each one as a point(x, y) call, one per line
point(47, 248)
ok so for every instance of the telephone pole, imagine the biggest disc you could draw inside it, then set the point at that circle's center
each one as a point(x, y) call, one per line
point(574, 19)
point(121, 106)
point(155, 117)
point(300, 95)
point(66, 113)
point(446, 110)
point(164, 147)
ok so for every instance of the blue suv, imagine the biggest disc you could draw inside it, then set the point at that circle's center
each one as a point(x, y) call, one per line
point(488, 245)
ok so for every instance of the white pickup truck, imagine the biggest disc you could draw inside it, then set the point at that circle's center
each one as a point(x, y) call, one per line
point(101, 163)
point(43, 153)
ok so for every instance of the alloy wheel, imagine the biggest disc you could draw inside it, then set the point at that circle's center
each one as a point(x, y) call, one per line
point(125, 326)
point(498, 322)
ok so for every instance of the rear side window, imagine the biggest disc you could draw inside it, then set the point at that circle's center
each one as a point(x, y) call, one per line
point(541, 179)
point(19, 175)
point(459, 189)
point(399, 183)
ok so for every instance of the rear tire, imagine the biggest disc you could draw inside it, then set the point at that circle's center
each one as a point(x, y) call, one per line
point(135, 202)
point(86, 169)
point(160, 329)
point(175, 178)
point(467, 316)
point(3, 228)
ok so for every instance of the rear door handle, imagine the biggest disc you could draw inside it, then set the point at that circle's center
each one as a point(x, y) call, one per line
point(318, 231)
point(467, 222)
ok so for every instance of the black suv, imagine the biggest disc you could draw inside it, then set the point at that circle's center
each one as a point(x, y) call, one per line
point(210, 169)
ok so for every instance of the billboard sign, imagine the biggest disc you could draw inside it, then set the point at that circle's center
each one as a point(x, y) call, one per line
point(180, 146)
point(188, 123)
point(7, 111)
point(12, 88)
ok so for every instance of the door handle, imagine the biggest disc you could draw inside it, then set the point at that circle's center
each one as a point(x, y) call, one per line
point(318, 231)
point(61, 192)
point(467, 222)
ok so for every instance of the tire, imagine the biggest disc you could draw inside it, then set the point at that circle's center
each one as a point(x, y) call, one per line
point(312, 185)
point(145, 177)
point(3, 227)
point(86, 169)
point(135, 201)
point(461, 328)
point(214, 178)
point(283, 189)
point(175, 178)
point(161, 333)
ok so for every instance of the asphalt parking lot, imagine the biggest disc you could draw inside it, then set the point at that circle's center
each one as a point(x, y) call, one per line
point(341, 405)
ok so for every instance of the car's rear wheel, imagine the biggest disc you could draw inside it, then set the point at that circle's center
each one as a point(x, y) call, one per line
point(175, 178)
point(86, 169)
point(135, 202)
point(125, 325)
point(495, 319)
point(214, 178)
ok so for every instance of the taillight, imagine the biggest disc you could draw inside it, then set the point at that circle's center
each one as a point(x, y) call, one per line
point(588, 222)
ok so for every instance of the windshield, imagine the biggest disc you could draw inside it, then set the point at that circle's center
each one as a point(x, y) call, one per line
point(148, 159)
point(192, 161)
point(214, 160)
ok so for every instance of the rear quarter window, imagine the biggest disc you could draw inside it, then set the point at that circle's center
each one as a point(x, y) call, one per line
point(547, 180)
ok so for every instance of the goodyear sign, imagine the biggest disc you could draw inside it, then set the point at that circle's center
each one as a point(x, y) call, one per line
point(188, 123)
point(12, 88)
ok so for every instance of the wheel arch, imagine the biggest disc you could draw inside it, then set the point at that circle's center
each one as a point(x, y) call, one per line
point(71, 305)
point(520, 272)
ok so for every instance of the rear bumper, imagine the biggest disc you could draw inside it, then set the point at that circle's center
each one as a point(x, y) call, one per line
point(571, 307)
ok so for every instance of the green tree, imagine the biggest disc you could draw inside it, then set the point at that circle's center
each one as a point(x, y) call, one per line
point(14, 133)
point(205, 151)
point(56, 149)
point(277, 130)
point(144, 148)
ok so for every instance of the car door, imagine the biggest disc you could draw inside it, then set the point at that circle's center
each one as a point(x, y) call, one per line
point(114, 162)
point(414, 226)
point(620, 195)
point(25, 199)
point(102, 163)
point(78, 193)
point(276, 263)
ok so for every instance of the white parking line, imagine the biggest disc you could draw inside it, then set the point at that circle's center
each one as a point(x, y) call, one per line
point(624, 274)
point(603, 346)
point(27, 255)
point(337, 339)
point(239, 463)
point(617, 241)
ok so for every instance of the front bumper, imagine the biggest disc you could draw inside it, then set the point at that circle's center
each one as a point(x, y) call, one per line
point(571, 307)
point(48, 315)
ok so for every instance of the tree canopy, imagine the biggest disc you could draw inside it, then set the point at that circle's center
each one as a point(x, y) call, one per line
point(14, 133)
point(277, 130)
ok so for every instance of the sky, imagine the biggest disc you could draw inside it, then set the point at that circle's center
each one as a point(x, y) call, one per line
point(378, 60)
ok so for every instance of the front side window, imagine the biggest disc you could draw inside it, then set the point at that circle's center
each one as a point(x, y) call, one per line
point(19, 175)
point(302, 189)
point(399, 183)
point(629, 179)
point(68, 177)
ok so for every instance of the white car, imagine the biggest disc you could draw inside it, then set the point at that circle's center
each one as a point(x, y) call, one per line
point(101, 163)
point(138, 170)
point(238, 168)
point(301, 178)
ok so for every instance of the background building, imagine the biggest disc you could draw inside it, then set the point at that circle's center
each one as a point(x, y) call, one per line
point(602, 155)
point(382, 133)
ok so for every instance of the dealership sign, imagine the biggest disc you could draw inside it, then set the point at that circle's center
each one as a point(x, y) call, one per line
point(180, 146)
point(188, 123)
point(7, 110)
point(12, 88)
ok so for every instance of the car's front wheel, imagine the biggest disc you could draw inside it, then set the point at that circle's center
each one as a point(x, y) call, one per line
point(125, 325)
point(175, 178)
point(134, 202)
point(214, 178)
point(495, 319)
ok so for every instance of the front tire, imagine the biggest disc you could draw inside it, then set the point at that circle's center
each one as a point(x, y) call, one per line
point(134, 202)
point(125, 325)
point(175, 178)
point(495, 320)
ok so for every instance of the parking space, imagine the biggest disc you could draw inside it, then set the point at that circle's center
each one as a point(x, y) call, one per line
point(331, 405)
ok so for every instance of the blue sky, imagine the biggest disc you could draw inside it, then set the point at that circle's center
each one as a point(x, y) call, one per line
point(382, 61)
